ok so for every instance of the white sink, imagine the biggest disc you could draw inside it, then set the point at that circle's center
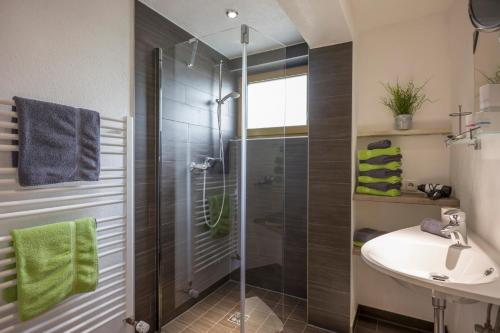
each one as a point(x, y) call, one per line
point(430, 260)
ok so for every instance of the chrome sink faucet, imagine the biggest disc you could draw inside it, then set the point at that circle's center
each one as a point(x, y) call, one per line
point(456, 228)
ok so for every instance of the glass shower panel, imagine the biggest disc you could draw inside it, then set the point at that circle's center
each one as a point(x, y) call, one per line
point(199, 234)
point(265, 305)
point(209, 252)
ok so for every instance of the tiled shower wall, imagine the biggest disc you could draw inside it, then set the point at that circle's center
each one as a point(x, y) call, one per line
point(189, 134)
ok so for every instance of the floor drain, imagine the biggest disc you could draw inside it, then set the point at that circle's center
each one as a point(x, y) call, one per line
point(235, 318)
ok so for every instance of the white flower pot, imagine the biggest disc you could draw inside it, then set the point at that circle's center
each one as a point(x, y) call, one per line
point(489, 98)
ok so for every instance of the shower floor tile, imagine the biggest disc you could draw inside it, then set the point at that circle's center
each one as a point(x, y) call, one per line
point(267, 312)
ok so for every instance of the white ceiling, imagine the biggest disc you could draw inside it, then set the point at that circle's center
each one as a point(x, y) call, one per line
point(281, 23)
point(371, 14)
point(321, 22)
point(207, 20)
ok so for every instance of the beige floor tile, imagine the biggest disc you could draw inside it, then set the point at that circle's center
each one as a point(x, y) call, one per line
point(219, 328)
point(299, 312)
point(215, 315)
point(293, 326)
point(202, 325)
point(188, 317)
point(175, 326)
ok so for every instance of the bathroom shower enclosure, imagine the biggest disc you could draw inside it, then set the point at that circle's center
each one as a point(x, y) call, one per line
point(220, 195)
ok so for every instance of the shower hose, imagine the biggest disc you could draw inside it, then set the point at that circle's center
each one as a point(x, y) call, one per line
point(221, 158)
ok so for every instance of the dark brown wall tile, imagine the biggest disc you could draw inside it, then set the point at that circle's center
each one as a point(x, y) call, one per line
point(188, 100)
point(329, 215)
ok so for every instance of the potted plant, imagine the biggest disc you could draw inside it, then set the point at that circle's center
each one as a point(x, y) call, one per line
point(489, 94)
point(403, 101)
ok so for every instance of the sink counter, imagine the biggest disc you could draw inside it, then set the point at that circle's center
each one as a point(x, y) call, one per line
point(417, 257)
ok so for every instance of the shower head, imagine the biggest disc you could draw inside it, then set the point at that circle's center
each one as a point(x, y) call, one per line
point(232, 94)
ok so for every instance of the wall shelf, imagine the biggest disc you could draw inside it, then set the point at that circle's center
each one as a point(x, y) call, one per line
point(410, 132)
point(409, 198)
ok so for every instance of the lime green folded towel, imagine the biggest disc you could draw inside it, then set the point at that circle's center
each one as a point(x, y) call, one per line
point(389, 166)
point(389, 193)
point(366, 154)
point(223, 227)
point(53, 262)
point(358, 243)
point(390, 180)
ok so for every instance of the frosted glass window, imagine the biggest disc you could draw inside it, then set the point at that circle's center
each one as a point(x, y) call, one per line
point(278, 103)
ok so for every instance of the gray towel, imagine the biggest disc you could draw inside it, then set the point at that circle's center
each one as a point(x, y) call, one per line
point(57, 143)
point(432, 226)
point(381, 173)
point(363, 235)
point(379, 144)
point(384, 159)
point(382, 186)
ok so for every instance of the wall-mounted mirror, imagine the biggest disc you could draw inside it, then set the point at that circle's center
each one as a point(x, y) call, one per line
point(485, 17)
point(485, 14)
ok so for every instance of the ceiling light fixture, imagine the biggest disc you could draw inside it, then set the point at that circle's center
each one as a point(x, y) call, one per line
point(231, 13)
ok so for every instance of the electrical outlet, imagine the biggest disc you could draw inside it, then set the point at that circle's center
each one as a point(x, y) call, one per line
point(410, 185)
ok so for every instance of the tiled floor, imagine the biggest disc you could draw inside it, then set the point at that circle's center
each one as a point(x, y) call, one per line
point(269, 312)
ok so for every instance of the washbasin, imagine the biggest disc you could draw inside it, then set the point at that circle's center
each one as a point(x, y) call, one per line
point(415, 255)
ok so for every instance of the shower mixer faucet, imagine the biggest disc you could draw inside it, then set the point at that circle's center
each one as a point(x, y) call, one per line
point(205, 165)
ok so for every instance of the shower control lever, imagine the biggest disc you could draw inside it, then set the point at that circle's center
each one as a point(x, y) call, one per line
point(207, 164)
point(198, 166)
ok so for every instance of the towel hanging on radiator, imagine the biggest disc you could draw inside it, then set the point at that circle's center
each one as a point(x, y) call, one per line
point(57, 143)
point(53, 262)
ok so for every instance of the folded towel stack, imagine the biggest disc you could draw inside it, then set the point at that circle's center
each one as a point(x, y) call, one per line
point(380, 169)
point(363, 235)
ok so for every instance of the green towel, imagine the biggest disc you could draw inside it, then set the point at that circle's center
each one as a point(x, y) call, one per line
point(358, 243)
point(389, 166)
point(366, 190)
point(223, 228)
point(365, 154)
point(53, 262)
point(390, 180)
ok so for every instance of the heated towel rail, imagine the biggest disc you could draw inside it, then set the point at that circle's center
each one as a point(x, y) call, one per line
point(206, 250)
point(110, 200)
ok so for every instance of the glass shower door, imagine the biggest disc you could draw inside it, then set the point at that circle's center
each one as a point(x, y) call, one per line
point(222, 211)
point(262, 133)
point(199, 234)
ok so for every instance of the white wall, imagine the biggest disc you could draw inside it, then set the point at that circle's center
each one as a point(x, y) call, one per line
point(68, 51)
point(473, 173)
point(437, 46)
point(74, 52)
point(416, 49)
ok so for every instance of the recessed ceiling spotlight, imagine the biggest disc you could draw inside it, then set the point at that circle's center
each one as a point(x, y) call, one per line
point(231, 13)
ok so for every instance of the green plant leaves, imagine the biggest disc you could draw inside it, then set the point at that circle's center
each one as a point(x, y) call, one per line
point(404, 99)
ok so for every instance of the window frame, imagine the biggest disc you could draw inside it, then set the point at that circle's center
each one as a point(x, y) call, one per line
point(300, 130)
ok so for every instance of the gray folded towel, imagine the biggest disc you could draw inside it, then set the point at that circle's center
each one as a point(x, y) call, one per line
point(382, 186)
point(381, 173)
point(379, 144)
point(384, 159)
point(363, 235)
point(432, 226)
point(57, 143)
